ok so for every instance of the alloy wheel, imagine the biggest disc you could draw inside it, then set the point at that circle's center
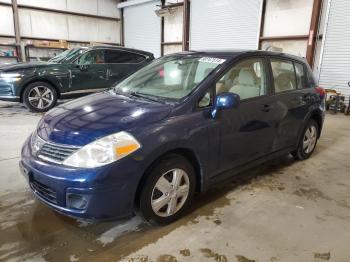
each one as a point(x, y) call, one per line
point(310, 139)
point(170, 192)
point(40, 97)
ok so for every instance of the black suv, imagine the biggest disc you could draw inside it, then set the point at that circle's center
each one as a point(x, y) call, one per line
point(75, 72)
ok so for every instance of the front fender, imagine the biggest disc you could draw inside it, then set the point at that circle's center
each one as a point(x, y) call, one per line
point(58, 79)
point(176, 136)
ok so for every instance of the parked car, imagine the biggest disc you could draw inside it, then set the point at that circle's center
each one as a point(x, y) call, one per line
point(75, 72)
point(172, 129)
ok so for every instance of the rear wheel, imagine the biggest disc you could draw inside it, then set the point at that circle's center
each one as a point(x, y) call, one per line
point(168, 190)
point(307, 141)
point(39, 97)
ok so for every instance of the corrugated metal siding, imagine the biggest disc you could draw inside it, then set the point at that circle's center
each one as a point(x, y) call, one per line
point(226, 24)
point(335, 64)
point(142, 27)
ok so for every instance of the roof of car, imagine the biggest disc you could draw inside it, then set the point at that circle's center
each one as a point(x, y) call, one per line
point(138, 51)
point(237, 52)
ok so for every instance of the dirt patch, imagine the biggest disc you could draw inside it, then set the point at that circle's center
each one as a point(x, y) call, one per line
point(138, 259)
point(185, 252)
point(311, 193)
point(323, 256)
point(241, 258)
point(217, 221)
point(211, 254)
point(166, 258)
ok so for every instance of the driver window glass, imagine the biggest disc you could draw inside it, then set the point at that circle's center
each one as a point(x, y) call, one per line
point(92, 57)
point(246, 79)
point(283, 75)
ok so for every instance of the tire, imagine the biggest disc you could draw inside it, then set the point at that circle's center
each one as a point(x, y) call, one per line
point(39, 97)
point(305, 149)
point(172, 202)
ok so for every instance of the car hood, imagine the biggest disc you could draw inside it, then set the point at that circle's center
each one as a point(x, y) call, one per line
point(22, 66)
point(84, 120)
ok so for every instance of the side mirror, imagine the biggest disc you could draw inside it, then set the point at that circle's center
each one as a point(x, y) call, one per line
point(225, 101)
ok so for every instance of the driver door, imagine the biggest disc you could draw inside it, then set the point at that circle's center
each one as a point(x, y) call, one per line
point(89, 73)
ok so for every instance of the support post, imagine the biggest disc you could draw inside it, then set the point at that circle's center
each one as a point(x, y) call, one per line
point(315, 18)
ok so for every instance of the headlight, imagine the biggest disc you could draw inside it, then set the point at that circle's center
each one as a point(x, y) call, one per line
point(36, 143)
point(10, 76)
point(104, 151)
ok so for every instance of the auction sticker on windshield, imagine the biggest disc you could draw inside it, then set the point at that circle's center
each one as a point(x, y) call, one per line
point(212, 60)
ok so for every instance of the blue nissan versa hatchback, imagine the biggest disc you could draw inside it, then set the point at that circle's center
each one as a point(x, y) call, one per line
point(171, 129)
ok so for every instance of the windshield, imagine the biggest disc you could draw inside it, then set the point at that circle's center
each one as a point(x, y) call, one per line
point(67, 55)
point(170, 77)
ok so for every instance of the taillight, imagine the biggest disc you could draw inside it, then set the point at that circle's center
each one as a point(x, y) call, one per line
point(320, 91)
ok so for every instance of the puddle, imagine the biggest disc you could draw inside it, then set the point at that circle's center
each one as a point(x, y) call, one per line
point(128, 226)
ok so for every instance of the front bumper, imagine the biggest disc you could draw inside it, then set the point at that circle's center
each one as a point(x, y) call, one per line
point(109, 191)
point(7, 90)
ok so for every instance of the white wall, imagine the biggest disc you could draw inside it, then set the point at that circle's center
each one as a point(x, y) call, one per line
point(287, 17)
point(173, 25)
point(294, 47)
point(51, 25)
point(6, 21)
point(93, 7)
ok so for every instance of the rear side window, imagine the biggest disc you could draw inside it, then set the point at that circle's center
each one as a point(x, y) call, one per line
point(283, 75)
point(122, 57)
point(301, 77)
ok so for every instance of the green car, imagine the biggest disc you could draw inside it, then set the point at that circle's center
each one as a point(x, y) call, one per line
point(75, 72)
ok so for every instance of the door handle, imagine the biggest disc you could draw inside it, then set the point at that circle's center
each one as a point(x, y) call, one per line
point(266, 108)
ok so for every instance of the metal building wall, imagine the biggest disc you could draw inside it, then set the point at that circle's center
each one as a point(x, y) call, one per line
point(6, 21)
point(335, 56)
point(51, 25)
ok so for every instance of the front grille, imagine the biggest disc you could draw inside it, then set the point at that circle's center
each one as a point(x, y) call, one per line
point(55, 153)
point(44, 191)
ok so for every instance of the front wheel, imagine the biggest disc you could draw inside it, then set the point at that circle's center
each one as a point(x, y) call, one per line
point(168, 190)
point(39, 97)
point(308, 141)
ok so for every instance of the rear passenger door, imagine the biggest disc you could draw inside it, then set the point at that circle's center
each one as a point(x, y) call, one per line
point(292, 100)
point(121, 64)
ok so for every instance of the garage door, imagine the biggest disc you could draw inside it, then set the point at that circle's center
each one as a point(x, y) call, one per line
point(335, 64)
point(226, 24)
point(142, 27)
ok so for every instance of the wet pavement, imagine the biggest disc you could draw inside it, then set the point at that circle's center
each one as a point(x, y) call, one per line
point(280, 211)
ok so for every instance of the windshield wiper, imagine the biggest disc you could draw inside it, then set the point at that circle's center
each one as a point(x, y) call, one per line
point(147, 96)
